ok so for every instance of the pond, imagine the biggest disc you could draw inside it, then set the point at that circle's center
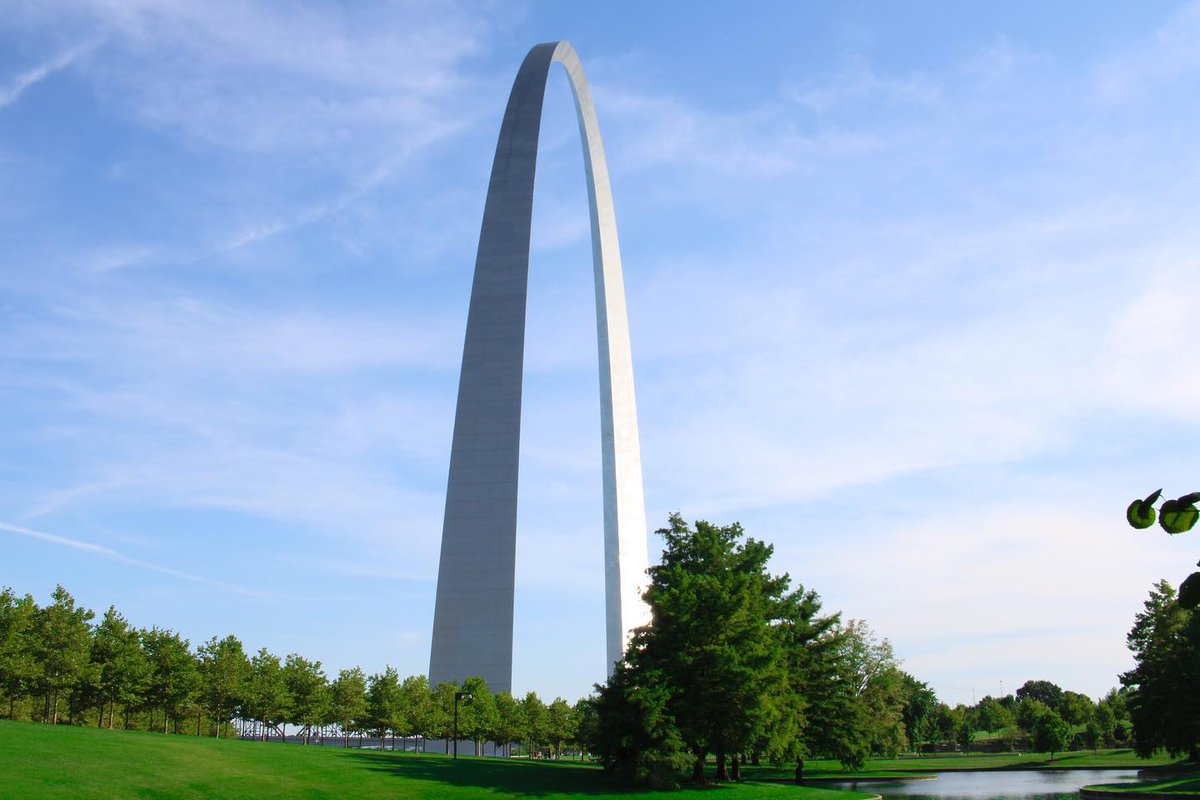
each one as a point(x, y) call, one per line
point(994, 785)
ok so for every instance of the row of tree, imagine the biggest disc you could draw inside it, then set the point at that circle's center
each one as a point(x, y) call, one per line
point(738, 665)
point(56, 664)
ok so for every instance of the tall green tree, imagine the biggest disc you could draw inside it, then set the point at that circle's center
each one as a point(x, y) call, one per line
point(729, 665)
point(1164, 696)
point(823, 696)
point(1051, 733)
point(478, 717)
point(62, 647)
point(348, 701)
point(508, 721)
point(19, 665)
point(416, 698)
point(1076, 708)
point(875, 673)
point(560, 724)
point(267, 697)
point(919, 703)
point(533, 723)
point(992, 715)
point(384, 704)
point(224, 679)
point(173, 682)
point(122, 667)
point(1051, 694)
point(712, 636)
point(308, 690)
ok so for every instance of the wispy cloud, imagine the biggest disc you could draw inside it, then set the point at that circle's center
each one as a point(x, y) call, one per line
point(12, 91)
point(114, 555)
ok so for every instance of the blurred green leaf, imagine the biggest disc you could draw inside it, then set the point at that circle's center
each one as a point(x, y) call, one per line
point(1140, 514)
point(1178, 517)
point(1189, 591)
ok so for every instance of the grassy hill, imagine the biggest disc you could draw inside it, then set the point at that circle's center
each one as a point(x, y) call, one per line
point(43, 761)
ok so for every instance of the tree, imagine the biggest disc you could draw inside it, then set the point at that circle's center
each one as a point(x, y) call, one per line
point(383, 704)
point(308, 689)
point(876, 676)
point(267, 699)
point(508, 720)
point(1042, 691)
point(584, 713)
point(478, 715)
point(1164, 698)
point(533, 723)
point(824, 689)
point(634, 735)
point(733, 662)
point(62, 646)
point(945, 723)
point(965, 735)
point(173, 680)
point(19, 667)
point(416, 698)
point(1076, 708)
point(1028, 712)
point(918, 709)
point(560, 724)
point(120, 663)
point(992, 716)
point(442, 711)
point(712, 636)
point(224, 678)
point(1051, 733)
point(348, 700)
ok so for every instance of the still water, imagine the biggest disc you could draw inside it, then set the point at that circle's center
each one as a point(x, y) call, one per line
point(999, 785)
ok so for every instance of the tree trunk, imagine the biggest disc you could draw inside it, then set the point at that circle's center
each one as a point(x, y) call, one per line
point(698, 768)
point(722, 775)
point(735, 771)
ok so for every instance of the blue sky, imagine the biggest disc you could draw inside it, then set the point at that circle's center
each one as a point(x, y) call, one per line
point(911, 293)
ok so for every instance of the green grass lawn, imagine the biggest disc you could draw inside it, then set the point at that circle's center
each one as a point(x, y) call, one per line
point(880, 767)
point(43, 761)
point(1187, 783)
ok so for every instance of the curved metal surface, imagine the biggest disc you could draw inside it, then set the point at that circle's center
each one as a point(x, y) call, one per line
point(473, 616)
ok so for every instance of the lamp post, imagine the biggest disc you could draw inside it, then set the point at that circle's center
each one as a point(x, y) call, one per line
point(457, 696)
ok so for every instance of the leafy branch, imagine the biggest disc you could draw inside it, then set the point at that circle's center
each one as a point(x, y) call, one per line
point(1174, 516)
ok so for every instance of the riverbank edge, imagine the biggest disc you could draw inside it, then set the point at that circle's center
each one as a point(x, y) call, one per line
point(1095, 793)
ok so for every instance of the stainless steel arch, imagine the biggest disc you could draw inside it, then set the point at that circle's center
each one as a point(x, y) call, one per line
point(473, 616)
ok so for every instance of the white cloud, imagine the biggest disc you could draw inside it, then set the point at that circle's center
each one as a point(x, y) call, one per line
point(12, 91)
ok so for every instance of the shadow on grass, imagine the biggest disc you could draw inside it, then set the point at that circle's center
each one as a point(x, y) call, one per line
point(518, 776)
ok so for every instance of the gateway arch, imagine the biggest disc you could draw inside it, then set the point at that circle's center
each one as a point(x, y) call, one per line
point(473, 615)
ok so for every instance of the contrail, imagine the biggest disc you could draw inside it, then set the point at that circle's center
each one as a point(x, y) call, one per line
point(113, 555)
point(11, 93)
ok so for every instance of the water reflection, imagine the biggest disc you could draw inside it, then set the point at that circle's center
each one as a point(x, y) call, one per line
point(997, 785)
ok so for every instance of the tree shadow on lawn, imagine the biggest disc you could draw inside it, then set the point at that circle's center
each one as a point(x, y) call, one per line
point(517, 776)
